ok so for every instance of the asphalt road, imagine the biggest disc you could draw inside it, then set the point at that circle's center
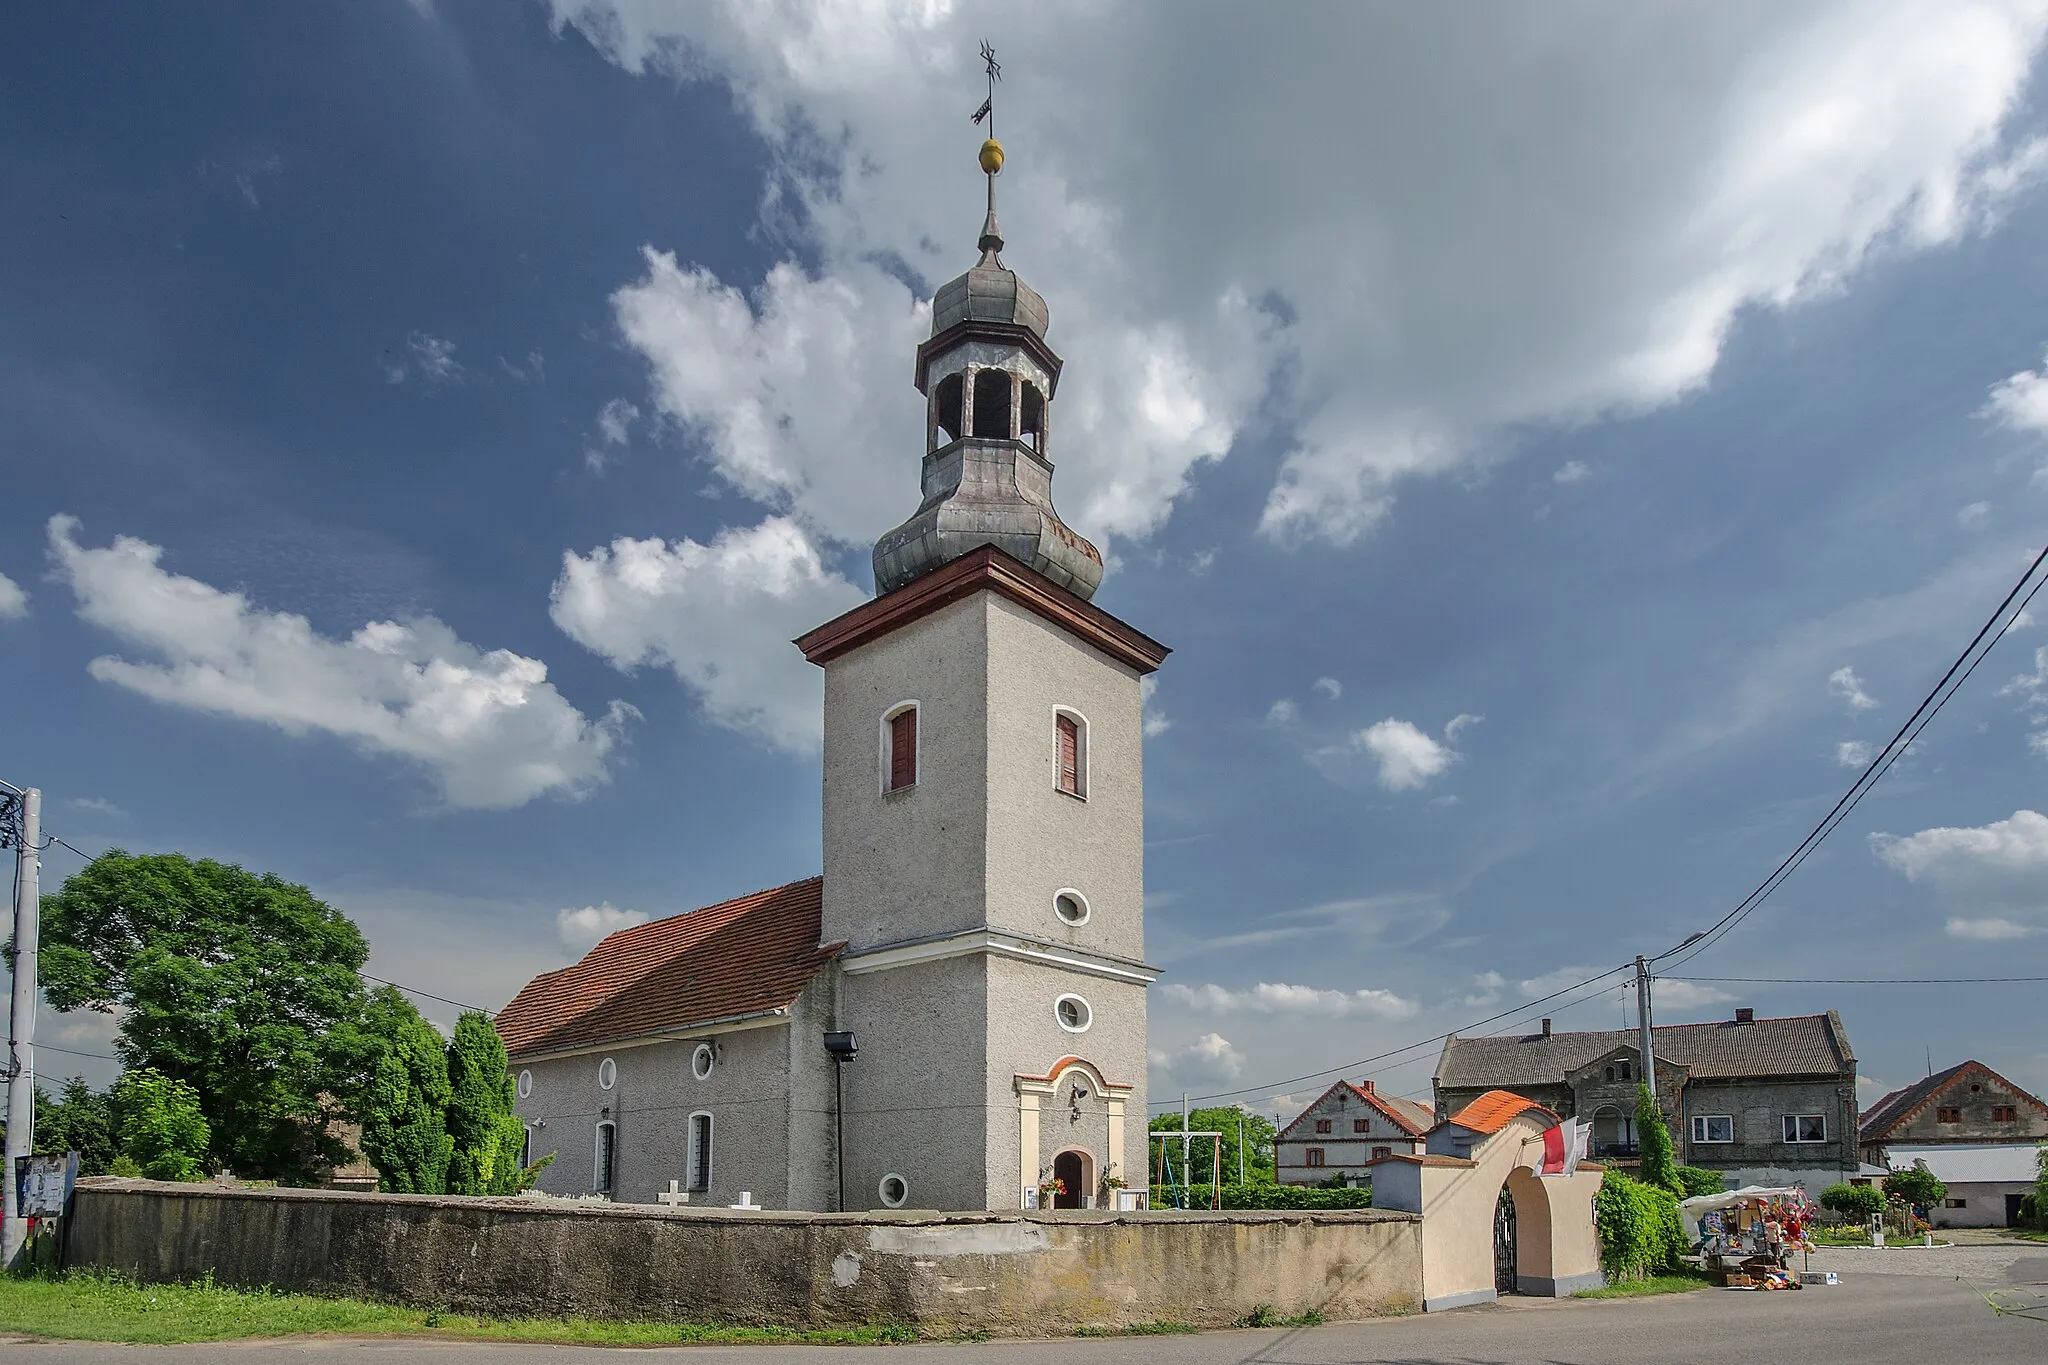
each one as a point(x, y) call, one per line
point(1896, 1310)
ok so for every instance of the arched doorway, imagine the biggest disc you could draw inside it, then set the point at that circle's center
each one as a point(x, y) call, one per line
point(1075, 1170)
point(1504, 1243)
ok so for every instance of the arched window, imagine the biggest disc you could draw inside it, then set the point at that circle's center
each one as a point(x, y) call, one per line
point(992, 404)
point(1031, 420)
point(946, 405)
point(1070, 741)
point(899, 746)
point(1626, 1072)
point(700, 1151)
point(606, 1165)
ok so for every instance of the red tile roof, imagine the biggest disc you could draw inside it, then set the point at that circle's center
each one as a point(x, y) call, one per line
point(1413, 1116)
point(747, 956)
point(1491, 1112)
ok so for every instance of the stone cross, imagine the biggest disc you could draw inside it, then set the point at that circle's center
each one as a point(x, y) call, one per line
point(675, 1194)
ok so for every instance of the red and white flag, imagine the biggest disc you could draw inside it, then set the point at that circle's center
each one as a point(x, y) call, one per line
point(1564, 1147)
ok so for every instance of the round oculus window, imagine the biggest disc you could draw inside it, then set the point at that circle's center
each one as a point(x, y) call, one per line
point(894, 1189)
point(702, 1060)
point(1073, 1013)
point(607, 1074)
point(525, 1084)
point(1071, 906)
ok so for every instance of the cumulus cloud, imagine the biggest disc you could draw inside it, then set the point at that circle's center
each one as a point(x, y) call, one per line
point(97, 805)
point(1155, 722)
point(428, 358)
point(1595, 206)
point(1854, 753)
point(1572, 471)
point(1209, 1060)
point(581, 928)
point(1844, 683)
point(614, 428)
point(1671, 996)
point(719, 616)
point(1407, 757)
point(1282, 712)
point(13, 600)
point(1276, 997)
point(1973, 515)
point(1329, 687)
point(1990, 929)
point(1954, 857)
point(2020, 402)
point(488, 727)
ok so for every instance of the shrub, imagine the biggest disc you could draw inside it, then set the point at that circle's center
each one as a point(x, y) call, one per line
point(1272, 1197)
point(1660, 1166)
point(1858, 1203)
point(163, 1134)
point(1640, 1234)
point(1694, 1181)
point(1917, 1186)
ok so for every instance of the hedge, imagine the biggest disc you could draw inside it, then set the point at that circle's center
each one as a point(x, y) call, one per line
point(1857, 1203)
point(1640, 1234)
point(1694, 1181)
point(1237, 1196)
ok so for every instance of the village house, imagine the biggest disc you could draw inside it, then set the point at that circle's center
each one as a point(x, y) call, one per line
point(1764, 1101)
point(1976, 1131)
point(1344, 1129)
point(953, 1015)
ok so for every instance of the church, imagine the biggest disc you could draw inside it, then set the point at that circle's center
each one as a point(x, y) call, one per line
point(953, 1015)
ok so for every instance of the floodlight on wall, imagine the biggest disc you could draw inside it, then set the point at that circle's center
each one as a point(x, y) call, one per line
point(841, 1044)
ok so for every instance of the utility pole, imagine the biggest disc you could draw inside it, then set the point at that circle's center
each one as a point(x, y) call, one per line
point(1186, 1172)
point(1643, 1025)
point(21, 823)
point(1240, 1144)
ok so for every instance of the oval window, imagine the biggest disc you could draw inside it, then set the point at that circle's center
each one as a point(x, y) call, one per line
point(1071, 906)
point(607, 1074)
point(1073, 1013)
point(702, 1060)
point(894, 1189)
point(525, 1084)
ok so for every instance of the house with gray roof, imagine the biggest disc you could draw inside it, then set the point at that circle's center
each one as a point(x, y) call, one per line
point(1764, 1101)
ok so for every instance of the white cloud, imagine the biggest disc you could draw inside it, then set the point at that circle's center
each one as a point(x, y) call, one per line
point(13, 601)
point(488, 727)
point(1329, 687)
point(1594, 207)
point(1407, 757)
point(1854, 753)
point(1844, 683)
point(1209, 1060)
point(1156, 722)
point(1458, 725)
point(614, 428)
point(1955, 857)
point(1572, 471)
point(580, 929)
point(1559, 979)
point(2020, 402)
point(430, 358)
point(1991, 929)
point(1283, 712)
point(1973, 516)
point(719, 616)
point(97, 805)
point(1275, 997)
point(1670, 996)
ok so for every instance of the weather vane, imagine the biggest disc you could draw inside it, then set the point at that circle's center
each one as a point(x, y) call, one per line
point(995, 73)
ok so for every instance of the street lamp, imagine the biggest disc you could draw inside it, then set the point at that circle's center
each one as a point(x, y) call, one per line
point(843, 1048)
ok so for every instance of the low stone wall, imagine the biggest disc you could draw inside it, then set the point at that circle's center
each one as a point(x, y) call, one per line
point(1012, 1274)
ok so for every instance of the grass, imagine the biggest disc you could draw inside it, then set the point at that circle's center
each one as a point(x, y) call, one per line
point(1264, 1316)
point(1140, 1329)
point(91, 1307)
point(1655, 1284)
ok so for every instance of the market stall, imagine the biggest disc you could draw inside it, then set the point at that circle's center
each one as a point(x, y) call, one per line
point(1745, 1238)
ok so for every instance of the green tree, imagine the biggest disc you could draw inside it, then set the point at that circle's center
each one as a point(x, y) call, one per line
point(163, 1130)
point(1858, 1203)
point(1653, 1140)
point(1259, 1134)
point(1694, 1181)
point(1918, 1186)
point(238, 985)
point(82, 1121)
point(404, 1111)
point(486, 1133)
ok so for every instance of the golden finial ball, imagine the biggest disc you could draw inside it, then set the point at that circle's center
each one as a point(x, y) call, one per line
point(991, 156)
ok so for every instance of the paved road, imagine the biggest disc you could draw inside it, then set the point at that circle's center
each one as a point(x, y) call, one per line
point(1870, 1318)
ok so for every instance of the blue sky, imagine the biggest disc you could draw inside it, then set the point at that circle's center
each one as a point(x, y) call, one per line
point(1551, 445)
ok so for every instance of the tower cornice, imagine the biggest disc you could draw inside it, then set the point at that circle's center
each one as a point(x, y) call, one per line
point(984, 569)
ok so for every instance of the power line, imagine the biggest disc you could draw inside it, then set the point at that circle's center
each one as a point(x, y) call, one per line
point(74, 1052)
point(1862, 980)
point(412, 990)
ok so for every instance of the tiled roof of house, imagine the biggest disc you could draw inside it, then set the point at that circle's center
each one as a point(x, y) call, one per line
point(741, 957)
point(1413, 1118)
point(1904, 1103)
point(1491, 1112)
point(1807, 1045)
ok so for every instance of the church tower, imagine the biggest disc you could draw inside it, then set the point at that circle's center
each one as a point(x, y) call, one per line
point(983, 804)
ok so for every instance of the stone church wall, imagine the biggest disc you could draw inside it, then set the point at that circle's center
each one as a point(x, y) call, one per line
point(1008, 1274)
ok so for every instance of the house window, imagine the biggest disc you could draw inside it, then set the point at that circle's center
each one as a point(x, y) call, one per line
point(1361, 1125)
point(894, 1189)
point(1070, 739)
point(1315, 1156)
point(2005, 1113)
point(525, 1084)
point(606, 1165)
point(702, 1060)
point(1713, 1128)
point(607, 1074)
point(1948, 1114)
point(1322, 1125)
point(1380, 1152)
point(525, 1147)
point(1955, 1203)
point(899, 747)
point(1610, 1073)
point(1071, 906)
point(700, 1151)
point(1627, 1072)
point(1073, 1013)
point(1806, 1128)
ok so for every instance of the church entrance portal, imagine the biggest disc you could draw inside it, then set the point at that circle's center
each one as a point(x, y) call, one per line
point(1071, 1168)
point(1504, 1244)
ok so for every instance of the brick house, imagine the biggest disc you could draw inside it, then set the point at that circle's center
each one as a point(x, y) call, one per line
point(1347, 1127)
point(1972, 1128)
point(1764, 1101)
